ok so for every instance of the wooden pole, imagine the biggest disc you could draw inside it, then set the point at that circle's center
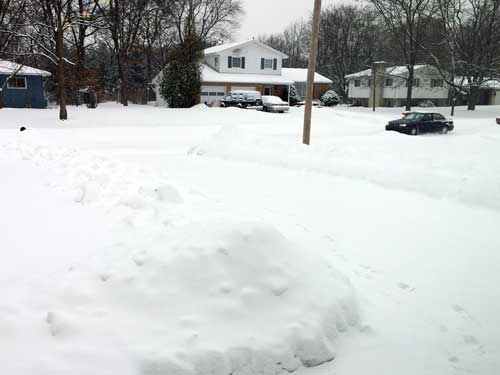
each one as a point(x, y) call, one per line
point(313, 53)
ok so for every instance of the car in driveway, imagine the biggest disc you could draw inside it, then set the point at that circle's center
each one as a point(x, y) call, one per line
point(274, 104)
point(415, 123)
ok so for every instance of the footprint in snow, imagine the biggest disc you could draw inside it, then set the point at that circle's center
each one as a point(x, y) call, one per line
point(406, 287)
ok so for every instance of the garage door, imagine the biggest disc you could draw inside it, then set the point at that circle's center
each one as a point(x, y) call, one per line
point(213, 95)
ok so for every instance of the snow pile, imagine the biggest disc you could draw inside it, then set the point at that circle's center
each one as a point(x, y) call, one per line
point(388, 159)
point(185, 290)
point(236, 298)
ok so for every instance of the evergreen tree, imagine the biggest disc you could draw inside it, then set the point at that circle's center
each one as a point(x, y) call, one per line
point(294, 98)
point(181, 83)
point(330, 99)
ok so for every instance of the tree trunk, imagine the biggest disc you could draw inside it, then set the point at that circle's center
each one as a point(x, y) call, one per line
point(63, 113)
point(409, 90)
point(122, 74)
point(473, 97)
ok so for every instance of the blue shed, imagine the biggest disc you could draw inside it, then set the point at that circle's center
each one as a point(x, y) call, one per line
point(24, 86)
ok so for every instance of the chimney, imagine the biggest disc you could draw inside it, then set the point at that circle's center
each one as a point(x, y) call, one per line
point(377, 86)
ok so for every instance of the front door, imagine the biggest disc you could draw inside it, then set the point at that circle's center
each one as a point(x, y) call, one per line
point(268, 90)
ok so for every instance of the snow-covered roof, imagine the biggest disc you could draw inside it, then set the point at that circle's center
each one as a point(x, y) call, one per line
point(398, 70)
point(209, 74)
point(300, 75)
point(224, 47)
point(288, 77)
point(9, 67)
point(493, 84)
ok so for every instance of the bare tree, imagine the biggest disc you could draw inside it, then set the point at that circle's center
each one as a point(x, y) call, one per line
point(209, 20)
point(12, 16)
point(293, 41)
point(349, 39)
point(471, 38)
point(123, 20)
point(406, 21)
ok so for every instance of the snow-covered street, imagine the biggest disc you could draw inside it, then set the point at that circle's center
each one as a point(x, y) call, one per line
point(149, 241)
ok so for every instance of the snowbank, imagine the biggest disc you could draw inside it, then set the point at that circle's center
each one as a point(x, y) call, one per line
point(450, 167)
point(185, 289)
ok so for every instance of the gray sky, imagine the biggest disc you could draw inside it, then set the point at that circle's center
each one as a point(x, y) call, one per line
point(269, 16)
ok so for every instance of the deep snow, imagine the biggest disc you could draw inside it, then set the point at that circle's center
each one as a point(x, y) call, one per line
point(151, 241)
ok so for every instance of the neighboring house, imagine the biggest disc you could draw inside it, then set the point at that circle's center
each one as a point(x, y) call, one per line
point(248, 65)
point(391, 86)
point(24, 88)
point(489, 92)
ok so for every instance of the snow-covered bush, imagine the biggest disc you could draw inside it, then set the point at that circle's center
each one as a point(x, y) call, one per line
point(330, 98)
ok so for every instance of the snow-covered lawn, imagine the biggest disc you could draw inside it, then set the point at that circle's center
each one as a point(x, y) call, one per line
point(149, 241)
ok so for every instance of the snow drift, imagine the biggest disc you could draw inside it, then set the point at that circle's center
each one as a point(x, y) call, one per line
point(184, 290)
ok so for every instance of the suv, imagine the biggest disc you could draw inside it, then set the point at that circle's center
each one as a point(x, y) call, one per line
point(243, 99)
point(415, 123)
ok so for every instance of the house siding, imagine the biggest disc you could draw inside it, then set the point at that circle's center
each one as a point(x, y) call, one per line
point(31, 97)
point(253, 54)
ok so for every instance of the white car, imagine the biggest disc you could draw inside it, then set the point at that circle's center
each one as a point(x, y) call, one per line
point(274, 104)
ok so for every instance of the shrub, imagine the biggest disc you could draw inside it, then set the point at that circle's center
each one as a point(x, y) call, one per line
point(330, 99)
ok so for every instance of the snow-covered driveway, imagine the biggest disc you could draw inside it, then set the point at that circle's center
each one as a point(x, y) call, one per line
point(411, 221)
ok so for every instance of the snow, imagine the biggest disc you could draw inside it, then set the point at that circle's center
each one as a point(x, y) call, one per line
point(230, 46)
point(300, 75)
point(211, 75)
point(398, 70)
point(9, 67)
point(145, 240)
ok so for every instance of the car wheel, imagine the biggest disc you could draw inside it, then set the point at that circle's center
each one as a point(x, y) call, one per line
point(265, 109)
point(444, 130)
point(414, 131)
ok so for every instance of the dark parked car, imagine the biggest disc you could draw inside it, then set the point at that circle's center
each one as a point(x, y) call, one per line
point(498, 120)
point(421, 122)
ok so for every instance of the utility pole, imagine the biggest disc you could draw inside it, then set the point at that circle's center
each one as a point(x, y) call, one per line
point(313, 53)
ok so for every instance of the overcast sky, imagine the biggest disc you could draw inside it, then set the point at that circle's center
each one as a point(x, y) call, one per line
point(269, 16)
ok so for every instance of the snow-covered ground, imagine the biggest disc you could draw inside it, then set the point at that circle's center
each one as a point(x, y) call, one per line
point(149, 241)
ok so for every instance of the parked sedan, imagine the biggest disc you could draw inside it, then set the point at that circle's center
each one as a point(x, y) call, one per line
point(421, 122)
point(274, 104)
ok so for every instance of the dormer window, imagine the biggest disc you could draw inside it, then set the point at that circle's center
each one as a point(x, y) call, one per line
point(236, 62)
point(268, 64)
point(216, 62)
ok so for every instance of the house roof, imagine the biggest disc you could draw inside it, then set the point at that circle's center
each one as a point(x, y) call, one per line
point(9, 68)
point(224, 47)
point(300, 75)
point(398, 70)
point(493, 84)
point(211, 75)
point(289, 76)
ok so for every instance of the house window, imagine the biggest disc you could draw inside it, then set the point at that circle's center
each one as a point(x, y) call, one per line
point(216, 61)
point(369, 83)
point(437, 83)
point(416, 82)
point(17, 83)
point(357, 83)
point(236, 62)
point(268, 63)
point(389, 82)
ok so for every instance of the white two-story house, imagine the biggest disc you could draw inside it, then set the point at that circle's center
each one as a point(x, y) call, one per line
point(391, 86)
point(249, 65)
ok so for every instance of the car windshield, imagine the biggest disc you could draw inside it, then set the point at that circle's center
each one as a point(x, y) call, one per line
point(414, 116)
